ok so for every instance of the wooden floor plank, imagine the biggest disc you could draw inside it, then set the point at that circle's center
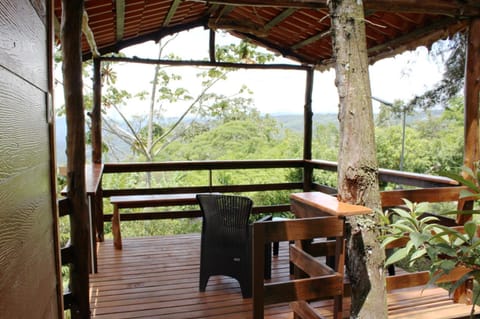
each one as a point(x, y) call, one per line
point(157, 277)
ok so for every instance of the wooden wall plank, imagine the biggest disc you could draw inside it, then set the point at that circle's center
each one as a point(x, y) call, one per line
point(23, 42)
point(28, 268)
point(26, 232)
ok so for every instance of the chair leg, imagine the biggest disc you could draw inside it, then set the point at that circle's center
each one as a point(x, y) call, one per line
point(391, 270)
point(245, 282)
point(275, 248)
point(203, 281)
point(267, 271)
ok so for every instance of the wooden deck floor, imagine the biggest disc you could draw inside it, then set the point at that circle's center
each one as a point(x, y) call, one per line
point(157, 277)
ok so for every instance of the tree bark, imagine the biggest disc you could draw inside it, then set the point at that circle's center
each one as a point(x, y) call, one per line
point(357, 163)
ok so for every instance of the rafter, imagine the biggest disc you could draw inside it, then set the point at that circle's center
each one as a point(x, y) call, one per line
point(120, 18)
point(279, 18)
point(154, 36)
point(287, 53)
point(171, 12)
point(423, 36)
point(312, 39)
point(226, 10)
point(440, 7)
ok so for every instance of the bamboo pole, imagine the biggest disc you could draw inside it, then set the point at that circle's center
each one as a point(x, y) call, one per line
point(71, 31)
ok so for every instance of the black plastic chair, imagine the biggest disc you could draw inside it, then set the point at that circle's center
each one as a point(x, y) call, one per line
point(225, 243)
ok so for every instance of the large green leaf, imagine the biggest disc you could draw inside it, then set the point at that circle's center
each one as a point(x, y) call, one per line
point(399, 254)
point(388, 240)
point(470, 228)
point(418, 239)
point(417, 254)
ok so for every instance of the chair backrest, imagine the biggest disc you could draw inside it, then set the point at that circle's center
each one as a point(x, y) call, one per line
point(323, 281)
point(225, 218)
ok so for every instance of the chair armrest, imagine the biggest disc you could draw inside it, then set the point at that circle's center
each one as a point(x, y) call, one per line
point(264, 218)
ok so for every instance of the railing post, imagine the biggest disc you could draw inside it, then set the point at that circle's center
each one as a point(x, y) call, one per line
point(307, 131)
point(210, 180)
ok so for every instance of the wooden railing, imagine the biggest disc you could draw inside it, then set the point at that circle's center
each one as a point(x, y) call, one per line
point(427, 188)
point(208, 184)
point(308, 167)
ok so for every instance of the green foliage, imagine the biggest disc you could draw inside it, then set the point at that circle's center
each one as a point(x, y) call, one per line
point(432, 143)
point(243, 52)
point(453, 77)
point(447, 248)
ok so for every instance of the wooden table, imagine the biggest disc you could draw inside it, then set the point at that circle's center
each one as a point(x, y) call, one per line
point(93, 178)
point(314, 204)
point(317, 204)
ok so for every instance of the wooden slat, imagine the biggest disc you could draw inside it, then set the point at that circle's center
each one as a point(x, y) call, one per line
point(309, 264)
point(304, 310)
point(157, 277)
point(305, 228)
point(422, 278)
point(303, 289)
point(204, 189)
point(435, 194)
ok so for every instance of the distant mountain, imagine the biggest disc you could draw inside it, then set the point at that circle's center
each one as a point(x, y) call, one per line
point(292, 122)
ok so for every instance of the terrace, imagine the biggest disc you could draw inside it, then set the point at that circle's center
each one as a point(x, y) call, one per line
point(158, 276)
point(142, 277)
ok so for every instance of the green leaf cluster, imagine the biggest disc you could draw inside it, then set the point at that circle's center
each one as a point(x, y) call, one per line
point(447, 248)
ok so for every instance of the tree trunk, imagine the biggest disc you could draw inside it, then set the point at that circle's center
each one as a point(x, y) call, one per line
point(357, 163)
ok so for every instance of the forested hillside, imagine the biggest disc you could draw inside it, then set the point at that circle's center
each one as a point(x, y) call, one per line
point(215, 125)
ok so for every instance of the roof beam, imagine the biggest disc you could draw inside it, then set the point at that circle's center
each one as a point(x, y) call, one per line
point(440, 7)
point(171, 12)
point(423, 36)
point(279, 18)
point(120, 18)
point(276, 66)
point(154, 36)
point(288, 53)
point(312, 39)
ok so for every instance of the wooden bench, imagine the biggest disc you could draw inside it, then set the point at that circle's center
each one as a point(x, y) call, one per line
point(141, 201)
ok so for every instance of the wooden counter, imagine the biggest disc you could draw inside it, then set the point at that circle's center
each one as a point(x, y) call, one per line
point(314, 204)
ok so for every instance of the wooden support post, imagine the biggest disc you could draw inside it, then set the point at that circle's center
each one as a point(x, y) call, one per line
point(211, 46)
point(117, 235)
point(471, 143)
point(71, 32)
point(96, 114)
point(472, 102)
point(96, 133)
point(307, 131)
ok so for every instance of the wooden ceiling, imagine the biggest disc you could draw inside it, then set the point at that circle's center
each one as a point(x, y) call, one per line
point(296, 29)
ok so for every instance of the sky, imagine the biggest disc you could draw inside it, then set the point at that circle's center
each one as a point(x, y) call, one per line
point(398, 78)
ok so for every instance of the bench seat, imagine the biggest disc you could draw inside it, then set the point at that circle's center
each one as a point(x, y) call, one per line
point(138, 201)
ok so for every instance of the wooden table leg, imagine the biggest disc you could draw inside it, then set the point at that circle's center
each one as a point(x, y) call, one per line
point(117, 236)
